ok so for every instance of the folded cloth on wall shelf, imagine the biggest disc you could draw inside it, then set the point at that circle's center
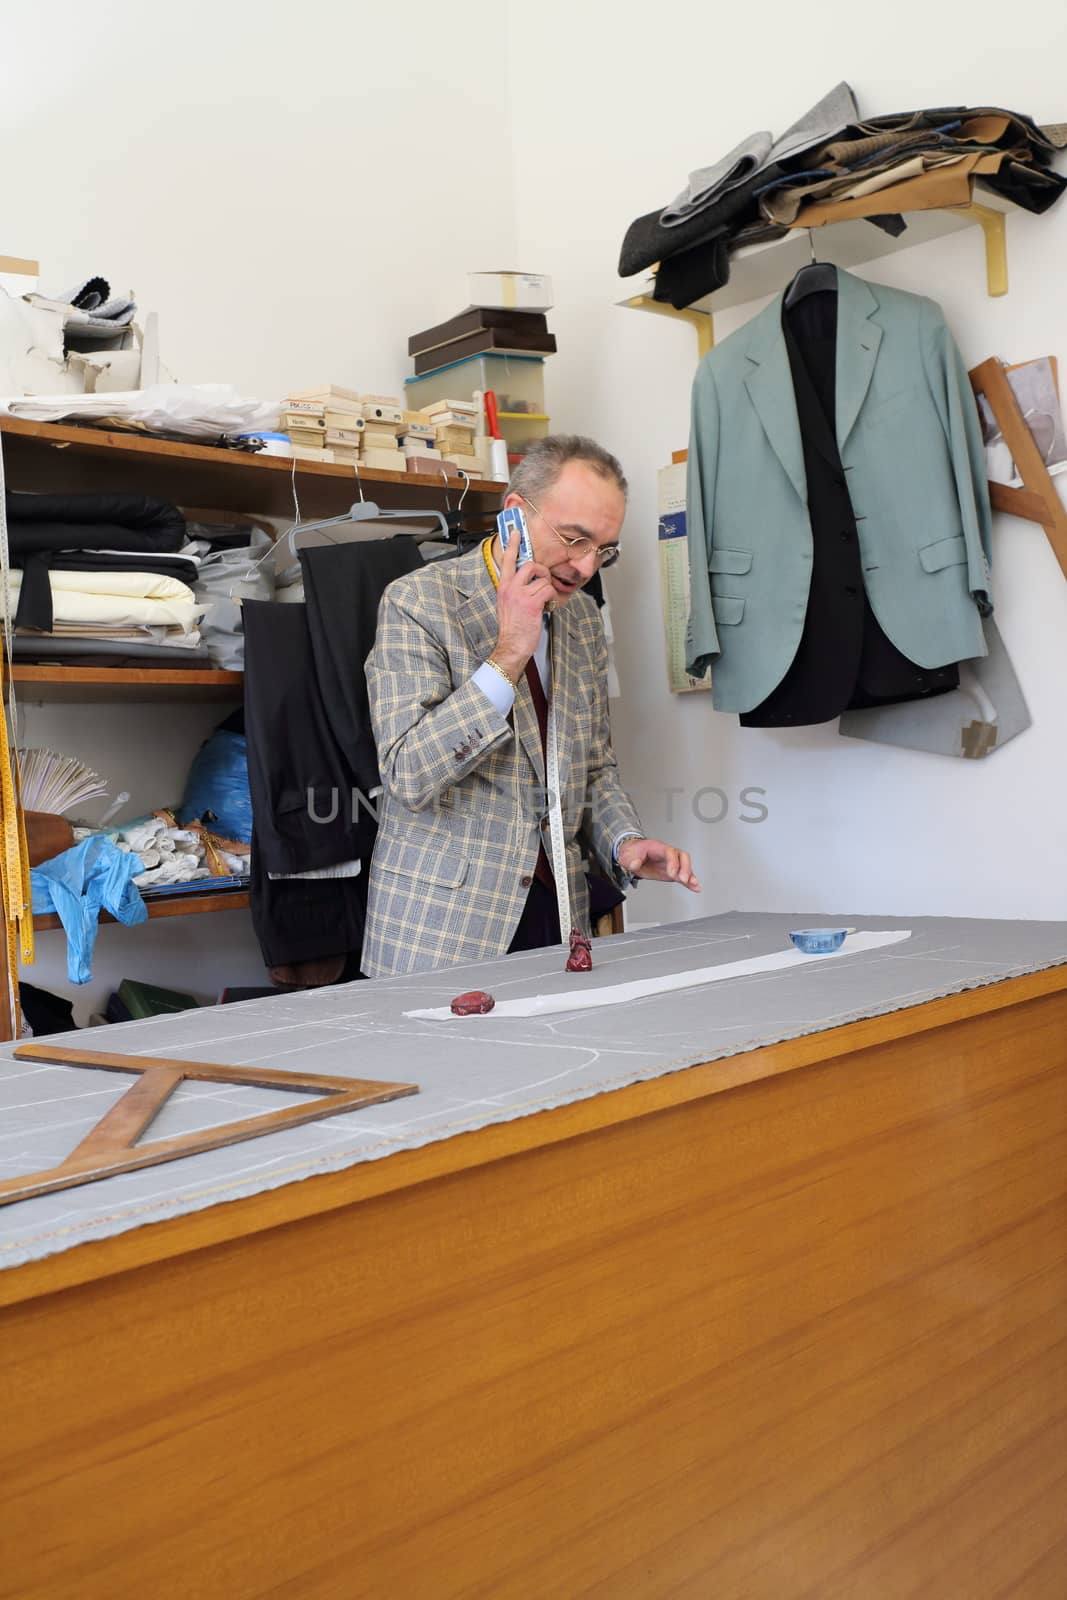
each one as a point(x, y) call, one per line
point(172, 638)
point(92, 521)
point(783, 204)
point(692, 242)
point(80, 651)
point(931, 190)
point(118, 607)
point(39, 525)
point(131, 583)
point(759, 153)
point(204, 411)
point(184, 567)
point(34, 588)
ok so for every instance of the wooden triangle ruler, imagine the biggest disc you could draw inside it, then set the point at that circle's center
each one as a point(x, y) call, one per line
point(110, 1147)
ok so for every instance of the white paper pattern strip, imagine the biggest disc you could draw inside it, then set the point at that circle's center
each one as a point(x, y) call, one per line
point(581, 999)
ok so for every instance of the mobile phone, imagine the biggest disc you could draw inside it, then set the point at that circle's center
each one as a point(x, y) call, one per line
point(512, 523)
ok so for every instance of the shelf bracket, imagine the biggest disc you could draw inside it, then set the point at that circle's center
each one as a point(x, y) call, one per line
point(700, 320)
point(992, 224)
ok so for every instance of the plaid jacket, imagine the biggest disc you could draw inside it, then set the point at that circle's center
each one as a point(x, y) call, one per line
point(461, 810)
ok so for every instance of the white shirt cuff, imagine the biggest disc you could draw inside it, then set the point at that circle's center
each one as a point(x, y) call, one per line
point(495, 687)
point(629, 834)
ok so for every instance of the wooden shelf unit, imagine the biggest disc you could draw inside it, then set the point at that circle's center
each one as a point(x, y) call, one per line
point(762, 269)
point(67, 458)
point(72, 458)
point(178, 906)
point(74, 685)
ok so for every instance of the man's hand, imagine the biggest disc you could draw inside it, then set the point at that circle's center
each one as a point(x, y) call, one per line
point(520, 603)
point(651, 858)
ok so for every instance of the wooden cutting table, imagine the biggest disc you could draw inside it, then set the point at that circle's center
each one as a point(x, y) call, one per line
point(788, 1325)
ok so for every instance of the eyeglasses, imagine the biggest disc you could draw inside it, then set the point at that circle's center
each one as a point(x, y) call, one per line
point(606, 554)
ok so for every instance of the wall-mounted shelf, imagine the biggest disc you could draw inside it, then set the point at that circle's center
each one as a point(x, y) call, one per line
point(760, 270)
point(76, 458)
point(64, 457)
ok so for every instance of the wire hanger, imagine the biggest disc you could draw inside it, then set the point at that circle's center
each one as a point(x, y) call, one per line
point(813, 277)
point(330, 530)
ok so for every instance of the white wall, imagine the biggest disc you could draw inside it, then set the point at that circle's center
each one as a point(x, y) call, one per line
point(294, 190)
point(282, 183)
point(617, 105)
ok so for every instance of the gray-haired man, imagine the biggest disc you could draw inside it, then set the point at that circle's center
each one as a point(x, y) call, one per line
point(468, 655)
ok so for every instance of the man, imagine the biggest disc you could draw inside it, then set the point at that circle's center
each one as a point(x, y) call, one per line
point(467, 655)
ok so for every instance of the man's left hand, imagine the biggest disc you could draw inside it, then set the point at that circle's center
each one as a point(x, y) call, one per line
point(651, 858)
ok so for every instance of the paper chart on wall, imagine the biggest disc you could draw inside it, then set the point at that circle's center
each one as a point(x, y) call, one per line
point(577, 998)
point(674, 577)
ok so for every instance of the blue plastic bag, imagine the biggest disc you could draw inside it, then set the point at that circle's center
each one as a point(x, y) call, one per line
point(94, 876)
point(216, 790)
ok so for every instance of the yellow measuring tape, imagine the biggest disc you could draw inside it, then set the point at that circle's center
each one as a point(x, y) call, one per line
point(14, 856)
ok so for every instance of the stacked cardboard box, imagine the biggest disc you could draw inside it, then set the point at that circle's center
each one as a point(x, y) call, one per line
point(481, 329)
point(455, 424)
point(502, 334)
point(419, 443)
point(325, 424)
point(383, 422)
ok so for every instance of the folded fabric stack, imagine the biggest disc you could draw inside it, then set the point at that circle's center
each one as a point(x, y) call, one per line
point(120, 605)
point(102, 578)
point(831, 166)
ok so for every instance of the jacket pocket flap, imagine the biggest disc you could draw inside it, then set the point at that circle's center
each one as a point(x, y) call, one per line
point(943, 553)
point(421, 862)
point(726, 608)
point(730, 561)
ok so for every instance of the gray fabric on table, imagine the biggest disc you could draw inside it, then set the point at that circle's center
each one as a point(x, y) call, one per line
point(471, 1072)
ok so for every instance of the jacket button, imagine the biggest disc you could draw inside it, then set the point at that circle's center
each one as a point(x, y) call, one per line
point(525, 881)
point(846, 534)
point(850, 588)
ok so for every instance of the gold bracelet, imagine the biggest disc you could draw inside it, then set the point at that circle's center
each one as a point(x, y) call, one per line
point(505, 675)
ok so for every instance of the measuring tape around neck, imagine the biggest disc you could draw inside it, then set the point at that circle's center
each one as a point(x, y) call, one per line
point(557, 846)
point(555, 806)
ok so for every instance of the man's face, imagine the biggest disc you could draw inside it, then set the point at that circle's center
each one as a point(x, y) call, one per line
point(581, 504)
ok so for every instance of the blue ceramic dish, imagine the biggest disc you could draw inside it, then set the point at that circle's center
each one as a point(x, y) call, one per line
point(818, 941)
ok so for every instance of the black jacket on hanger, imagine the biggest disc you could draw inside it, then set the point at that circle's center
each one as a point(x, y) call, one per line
point(844, 659)
point(343, 587)
point(311, 753)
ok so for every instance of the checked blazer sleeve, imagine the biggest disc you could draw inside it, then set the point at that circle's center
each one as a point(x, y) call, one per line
point(429, 733)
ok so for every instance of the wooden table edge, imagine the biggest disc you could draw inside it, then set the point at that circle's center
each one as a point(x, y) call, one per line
point(311, 1195)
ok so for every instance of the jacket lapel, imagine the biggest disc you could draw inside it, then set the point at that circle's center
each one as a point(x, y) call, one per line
point(770, 385)
point(858, 341)
point(478, 619)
